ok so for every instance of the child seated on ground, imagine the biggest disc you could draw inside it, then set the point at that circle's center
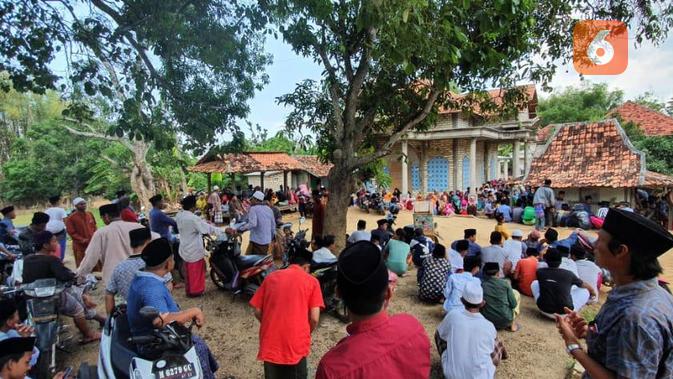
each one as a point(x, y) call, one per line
point(500, 227)
point(397, 254)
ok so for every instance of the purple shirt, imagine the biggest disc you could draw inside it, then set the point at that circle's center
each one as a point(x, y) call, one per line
point(261, 224)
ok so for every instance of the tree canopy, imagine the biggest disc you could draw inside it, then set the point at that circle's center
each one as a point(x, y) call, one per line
point(591, 102)
point(163, 65)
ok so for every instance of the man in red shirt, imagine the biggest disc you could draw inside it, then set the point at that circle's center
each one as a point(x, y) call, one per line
point(288, 307)
point(377, 345)
point(526, 271)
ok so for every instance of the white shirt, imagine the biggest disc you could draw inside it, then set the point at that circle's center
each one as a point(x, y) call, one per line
point(359, 235)
point(323, 255)
point(589, 272)
point(493, 253)
point(514, 249)
point(192, 228)
point(56, 216)
point(470, 340)
point(566, 264)
point(454, 290)
point(456, 260)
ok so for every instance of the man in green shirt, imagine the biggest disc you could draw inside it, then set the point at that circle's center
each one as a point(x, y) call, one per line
point(397, 253)
point(502, 302)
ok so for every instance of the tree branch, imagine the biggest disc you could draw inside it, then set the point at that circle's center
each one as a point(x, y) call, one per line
point(106, 137)
point(353, 94)
point(385, 149)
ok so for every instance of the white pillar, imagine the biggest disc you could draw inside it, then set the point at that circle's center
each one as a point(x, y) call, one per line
point(424, 170)
point(473, 165)
point(505, 173)
point(405, 168)
point(516, 152)
point(526, 157)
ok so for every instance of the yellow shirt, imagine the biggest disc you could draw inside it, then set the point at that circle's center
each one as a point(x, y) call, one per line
point(503, 230)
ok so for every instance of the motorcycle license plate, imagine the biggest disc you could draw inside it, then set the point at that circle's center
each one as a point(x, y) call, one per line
point(185, 371)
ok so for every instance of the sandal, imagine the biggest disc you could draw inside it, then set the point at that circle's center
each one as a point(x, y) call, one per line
point(515, 327)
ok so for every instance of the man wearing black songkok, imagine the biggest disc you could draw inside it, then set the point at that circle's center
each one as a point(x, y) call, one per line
point(37, 225)
point(15, 354)
point(362, 283)
point(632, 335)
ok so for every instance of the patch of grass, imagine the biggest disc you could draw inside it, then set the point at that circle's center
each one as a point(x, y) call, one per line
point(589, 312)
point(23, 218)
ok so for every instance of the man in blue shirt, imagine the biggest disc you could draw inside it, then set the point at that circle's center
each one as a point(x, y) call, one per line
point(471, 236)
point(506, 211)
point(262, 225)
point(159, 222)
point(149, 289)
point(8, 233)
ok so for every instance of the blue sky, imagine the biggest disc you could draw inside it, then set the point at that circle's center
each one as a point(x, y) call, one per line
point(650, 69)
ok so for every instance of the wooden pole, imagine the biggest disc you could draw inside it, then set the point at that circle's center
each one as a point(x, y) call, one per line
point(261, 180)
point(210, 182)
point(285, 181)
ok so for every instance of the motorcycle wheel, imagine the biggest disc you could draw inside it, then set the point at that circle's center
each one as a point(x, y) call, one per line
point(250, 289)
point(217, 279)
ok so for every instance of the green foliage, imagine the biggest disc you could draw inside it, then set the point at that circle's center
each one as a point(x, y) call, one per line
point(649, 100)
point(658, 149)
point(591, 102)
point(163, 65)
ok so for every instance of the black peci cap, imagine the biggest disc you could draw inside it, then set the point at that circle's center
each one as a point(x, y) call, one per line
point(361, 269)
point(156, 252)
point(16, 345)
point(637, 232)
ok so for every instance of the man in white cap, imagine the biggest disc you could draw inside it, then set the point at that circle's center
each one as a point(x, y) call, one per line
point(81, 225)
point(515, 249)
point(261, 225)
point(466, 340)
point(215, 205)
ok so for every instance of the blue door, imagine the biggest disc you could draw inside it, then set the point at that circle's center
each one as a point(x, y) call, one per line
point(438, 174)
point(415, 177)
point(466, 172)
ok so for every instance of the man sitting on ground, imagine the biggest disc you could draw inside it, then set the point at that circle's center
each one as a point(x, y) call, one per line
point(149, 289)
point(495, 253)
point(382, 232)
point(566, 262)
point(526, 271)
point(361, 234)
point(456, 283)
point(556, 288)
point(362, 282)
point(587, 270)
point(515, 249)
point(471, 236)
point(397, 254)
point(502, 302)
point(436, 270)
point(467, 342)
point(126, 270)
point(457, 256)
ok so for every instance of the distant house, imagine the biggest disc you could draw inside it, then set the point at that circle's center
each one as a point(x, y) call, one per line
point(310, 170)
point(595, 159)
point(651, 122)
point(461, 150)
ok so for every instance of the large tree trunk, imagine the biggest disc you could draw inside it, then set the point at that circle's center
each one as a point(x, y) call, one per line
point(142, 180)
point(341, 184)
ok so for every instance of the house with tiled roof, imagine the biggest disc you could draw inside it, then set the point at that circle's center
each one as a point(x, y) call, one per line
point(267, 169)
point(595, 159)
point(461, 150)
point(651, 122)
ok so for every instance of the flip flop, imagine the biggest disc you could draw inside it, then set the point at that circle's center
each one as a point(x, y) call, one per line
point(518, 328)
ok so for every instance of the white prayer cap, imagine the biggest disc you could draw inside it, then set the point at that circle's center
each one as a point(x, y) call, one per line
point(77, 201)
point(258, 195)
point(473, 293)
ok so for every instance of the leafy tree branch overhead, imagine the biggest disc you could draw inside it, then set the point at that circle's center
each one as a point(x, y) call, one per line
point(181, 66)
point(389, 65)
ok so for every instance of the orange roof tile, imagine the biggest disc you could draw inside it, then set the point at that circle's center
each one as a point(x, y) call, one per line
point(497, 95)
point(247, 162)
point(543, 134)
point(589, 155)
point(651, 122)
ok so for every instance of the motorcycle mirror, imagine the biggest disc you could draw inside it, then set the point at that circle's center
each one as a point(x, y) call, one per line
point(302, 220)
point(149, 312)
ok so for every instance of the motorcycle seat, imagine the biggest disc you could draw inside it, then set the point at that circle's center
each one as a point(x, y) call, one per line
point(121, 351)
point(317, 266)
point(247, 261)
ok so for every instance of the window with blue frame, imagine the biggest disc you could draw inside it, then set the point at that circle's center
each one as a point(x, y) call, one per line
point(415, 177)
point(438, 174)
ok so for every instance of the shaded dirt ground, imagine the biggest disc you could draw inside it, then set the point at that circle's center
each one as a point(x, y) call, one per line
point(536, 351)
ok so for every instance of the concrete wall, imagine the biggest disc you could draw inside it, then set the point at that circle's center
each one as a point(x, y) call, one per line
point(275, 179)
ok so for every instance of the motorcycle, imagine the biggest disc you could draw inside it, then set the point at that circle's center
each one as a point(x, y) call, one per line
point(166, 353)
point(7, 264)
point(376, 203)
point(231, 271)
